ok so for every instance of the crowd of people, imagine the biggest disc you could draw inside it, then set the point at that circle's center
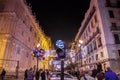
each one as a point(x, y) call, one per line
point(88, 74)
point(36, 75)
point(94, 74)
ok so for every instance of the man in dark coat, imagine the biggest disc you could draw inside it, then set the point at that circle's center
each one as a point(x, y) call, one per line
point(3, 73)
point(110, 75)
point(25, 74)
point(43, 75)
point(37, 75)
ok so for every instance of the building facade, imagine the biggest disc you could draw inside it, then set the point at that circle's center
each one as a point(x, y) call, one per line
point(100, 33)
point(19, 33)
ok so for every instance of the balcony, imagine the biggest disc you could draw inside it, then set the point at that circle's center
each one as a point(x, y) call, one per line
point(117, 28)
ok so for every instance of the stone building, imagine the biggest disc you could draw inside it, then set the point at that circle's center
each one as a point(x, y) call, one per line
point(100, 33)
point(19, 33)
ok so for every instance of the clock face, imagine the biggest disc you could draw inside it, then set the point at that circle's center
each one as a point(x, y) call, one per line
point(60, 44)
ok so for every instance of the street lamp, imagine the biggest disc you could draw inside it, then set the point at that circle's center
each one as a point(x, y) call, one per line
point(61, 55)
point(38, 53)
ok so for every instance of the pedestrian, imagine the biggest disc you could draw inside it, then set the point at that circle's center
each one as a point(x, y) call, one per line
point(43, 75)
point(25, 74)
point(3, 73)
point(37, 75)
point(48, 74)
point(82, 73)
point(110, 75)
point(94, 72)
point(77, 74)
point(100, 76)
point(87, 75)
point(30, 74)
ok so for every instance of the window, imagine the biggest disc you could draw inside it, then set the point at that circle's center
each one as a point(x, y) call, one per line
point(99, 42)
point(27, 54)
point(35, 34)
point(24, 21)
point(22, 33)
point(113, 27)
point(2, 5)
point(108, 3)
point(96, 18)
point(96, 56)
point(29, 39)
point(118, 3)
point(30, 28)
point(119, 52)
point(92, 25)
point(89, 60)
point(92, 58)
point(111, 14)
point(102, 55)
point(116, 37)
point(113, 24)
point(94, 45)
point(97, 30)
point(18, 50)
point(88, 49)
point(89, 29)
point(91, 49)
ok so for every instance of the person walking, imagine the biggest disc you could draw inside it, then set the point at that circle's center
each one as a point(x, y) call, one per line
point(30, 74)
point(100, 76)
point(3, 73)
point(37, 75)
point(25, 74)
point(94, 72)
point(87, 75)
point(43, 75)
point(110, 75)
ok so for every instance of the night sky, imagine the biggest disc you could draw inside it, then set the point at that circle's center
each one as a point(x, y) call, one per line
point(60, 19)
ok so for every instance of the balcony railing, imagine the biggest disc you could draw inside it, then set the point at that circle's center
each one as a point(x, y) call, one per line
point(115, 28)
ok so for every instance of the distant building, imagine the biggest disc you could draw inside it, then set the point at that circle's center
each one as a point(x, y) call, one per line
point(19, 33)
point(100, 33)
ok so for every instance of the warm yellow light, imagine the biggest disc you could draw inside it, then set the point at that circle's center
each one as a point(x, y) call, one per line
point(80, 41)
point(33, 54)
point(38, 45)
point(79, 45)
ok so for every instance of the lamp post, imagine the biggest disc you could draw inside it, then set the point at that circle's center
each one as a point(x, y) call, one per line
point(38, 53)
point(61, 55)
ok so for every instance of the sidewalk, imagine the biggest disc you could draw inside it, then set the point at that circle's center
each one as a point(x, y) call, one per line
point(13, 76)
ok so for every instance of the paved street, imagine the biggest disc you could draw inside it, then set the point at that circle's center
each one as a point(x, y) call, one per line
point(13, 76)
